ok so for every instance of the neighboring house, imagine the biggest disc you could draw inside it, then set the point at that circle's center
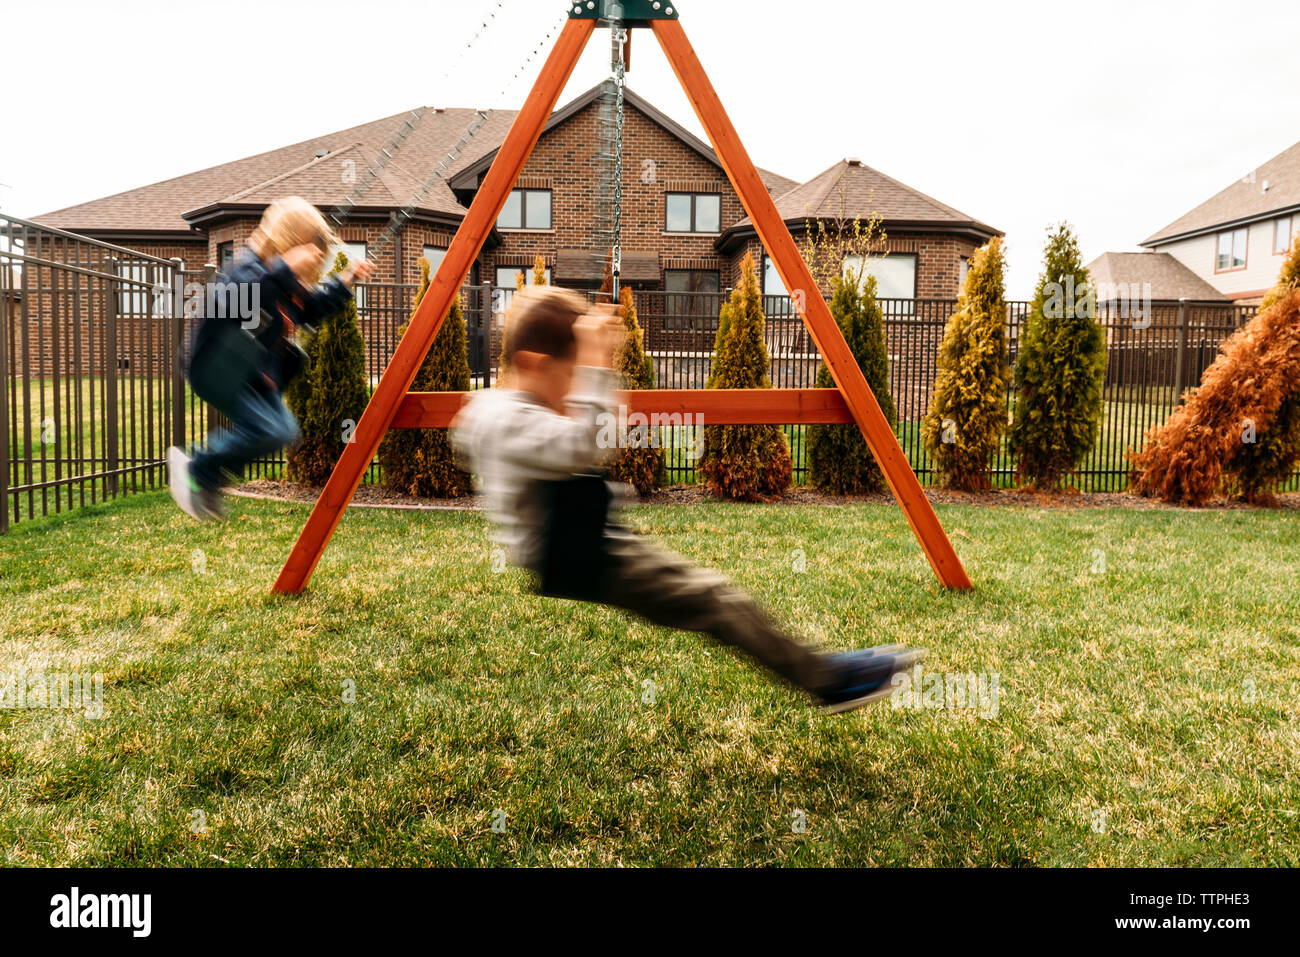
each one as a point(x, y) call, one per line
point(927, 243)
point(683, 227)
point(1127, 276)
point(1236, 239)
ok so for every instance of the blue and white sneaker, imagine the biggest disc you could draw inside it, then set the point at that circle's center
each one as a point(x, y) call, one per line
point(185, 491)
point(861, 677)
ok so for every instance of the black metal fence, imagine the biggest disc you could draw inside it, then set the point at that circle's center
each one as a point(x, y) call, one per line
point(92, 338)
point(92, 393)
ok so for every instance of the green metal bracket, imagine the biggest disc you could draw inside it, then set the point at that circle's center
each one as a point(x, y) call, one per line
point(633, 13)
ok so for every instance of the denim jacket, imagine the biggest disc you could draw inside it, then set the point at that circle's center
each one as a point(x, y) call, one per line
point(284, 303)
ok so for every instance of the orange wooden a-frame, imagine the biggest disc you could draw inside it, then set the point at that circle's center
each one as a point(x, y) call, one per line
point(394, 406)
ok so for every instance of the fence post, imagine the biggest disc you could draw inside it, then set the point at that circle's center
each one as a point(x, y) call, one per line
point(1182, 348)
point(178, 354)
point(485, 332)
point(6, 288)
point(110, 381)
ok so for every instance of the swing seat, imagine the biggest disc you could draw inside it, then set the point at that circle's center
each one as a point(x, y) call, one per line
point(230, 360)
point(573, 562)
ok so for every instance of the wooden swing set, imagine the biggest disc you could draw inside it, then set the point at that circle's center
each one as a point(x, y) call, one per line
point(393, 405)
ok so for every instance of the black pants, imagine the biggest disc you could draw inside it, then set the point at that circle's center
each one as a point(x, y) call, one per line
point(668, 590)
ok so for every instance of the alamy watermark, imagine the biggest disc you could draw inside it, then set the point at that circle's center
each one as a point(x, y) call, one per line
point(21, 690)
point(1128, 300)
point(952, 691)
point(621, 430)
point(216, 299)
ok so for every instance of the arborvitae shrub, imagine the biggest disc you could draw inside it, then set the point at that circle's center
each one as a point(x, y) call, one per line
point(838, 457)
point(744, 462)
point(1060, 369)
point(419, 461)
point(335, 397)
point(642, 463)
point(968, 411)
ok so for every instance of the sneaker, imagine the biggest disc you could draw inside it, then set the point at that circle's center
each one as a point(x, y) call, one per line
point(212, 503)
point(861, 677)
point(185, 491)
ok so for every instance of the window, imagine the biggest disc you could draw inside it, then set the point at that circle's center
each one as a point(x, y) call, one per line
point(691, 294)
point(526, 209)
point(225, 255)
point(144, 294)
point(506, 275)
point(776, 298)
point(434, 254)
point(895, 274)
point(354, 251)
point(963, 267)
point(505, 284)
point(1231, 252)
point(1283, 235)
point(692, 213)
point(772, 284)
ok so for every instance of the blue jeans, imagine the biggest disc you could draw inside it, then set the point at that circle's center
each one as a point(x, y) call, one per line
point(260, 423)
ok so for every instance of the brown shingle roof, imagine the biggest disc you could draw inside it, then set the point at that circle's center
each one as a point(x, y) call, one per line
point(850, 189)
point(160, 206)
point(1169, 278)
point(174, 204)
point(1244, 200)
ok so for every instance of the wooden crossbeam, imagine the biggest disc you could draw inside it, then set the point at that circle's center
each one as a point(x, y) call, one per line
point(435, 410)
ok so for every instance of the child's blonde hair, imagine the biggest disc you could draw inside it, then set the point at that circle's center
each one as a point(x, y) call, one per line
point(291, 221)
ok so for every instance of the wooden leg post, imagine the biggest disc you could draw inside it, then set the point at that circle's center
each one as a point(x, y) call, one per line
point(816, 314)
point(397, 378)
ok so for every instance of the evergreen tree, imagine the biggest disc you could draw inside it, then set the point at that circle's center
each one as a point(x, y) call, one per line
point(968, 411)
point(335, 397)
point(642, 463)
point(838, 457)
point(419, 461)
point(744, 462)
point(1060, 369)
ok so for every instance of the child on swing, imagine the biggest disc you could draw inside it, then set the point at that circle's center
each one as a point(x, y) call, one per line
point(283, 260)
point(532, 442)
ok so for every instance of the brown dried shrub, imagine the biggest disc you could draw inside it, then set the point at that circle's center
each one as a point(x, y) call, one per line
point(1189, 458)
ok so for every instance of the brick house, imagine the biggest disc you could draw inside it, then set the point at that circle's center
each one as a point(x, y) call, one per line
point(683, 227)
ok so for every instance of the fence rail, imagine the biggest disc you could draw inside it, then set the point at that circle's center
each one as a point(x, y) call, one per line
point(92, 340)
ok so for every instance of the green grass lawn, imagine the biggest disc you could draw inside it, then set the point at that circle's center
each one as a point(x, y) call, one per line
point(1148, 665)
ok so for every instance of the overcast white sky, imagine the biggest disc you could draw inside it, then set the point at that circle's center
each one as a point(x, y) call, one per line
point(1118, 116)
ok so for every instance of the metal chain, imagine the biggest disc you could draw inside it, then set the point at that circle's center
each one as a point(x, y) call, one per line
point(400, 218)
point(620, 71)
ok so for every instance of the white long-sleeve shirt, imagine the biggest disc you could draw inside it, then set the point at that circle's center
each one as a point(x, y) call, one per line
point(510, 441)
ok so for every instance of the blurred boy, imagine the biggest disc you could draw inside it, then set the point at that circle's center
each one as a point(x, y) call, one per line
point(532, 442)
point(283, 260)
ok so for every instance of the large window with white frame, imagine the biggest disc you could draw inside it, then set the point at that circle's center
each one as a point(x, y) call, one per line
point(1283, 235)
point(895, 273)
point(435, 256)
point(355, 252)
point(1230, 250)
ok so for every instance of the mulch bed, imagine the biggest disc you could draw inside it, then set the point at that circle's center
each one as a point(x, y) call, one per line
point(374, 496)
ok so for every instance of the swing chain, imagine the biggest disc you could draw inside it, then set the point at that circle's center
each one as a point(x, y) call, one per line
point(398, 140)
point(619, 36)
